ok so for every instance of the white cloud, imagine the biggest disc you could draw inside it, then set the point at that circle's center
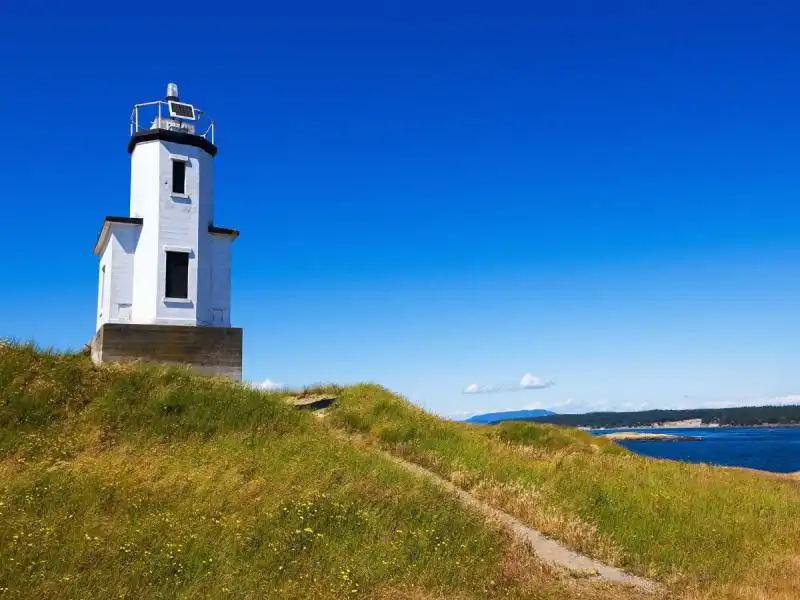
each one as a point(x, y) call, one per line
point(785, 400)
point(559, 405)
point(474, 388)
point(528, 382)
point(268, 384)
point(532, 382)
point(464, 414)
point(536, 406)
point(688, 402)
point(572, 406)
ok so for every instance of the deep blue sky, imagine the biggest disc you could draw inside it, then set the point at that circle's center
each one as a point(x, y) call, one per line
point(430, 195)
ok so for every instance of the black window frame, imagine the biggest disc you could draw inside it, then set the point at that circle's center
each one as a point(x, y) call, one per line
point(176, 275)
point(179, 175)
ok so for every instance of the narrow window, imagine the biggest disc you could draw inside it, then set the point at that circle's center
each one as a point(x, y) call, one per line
point(178, 177)
point(102, 286)
point(177, 283)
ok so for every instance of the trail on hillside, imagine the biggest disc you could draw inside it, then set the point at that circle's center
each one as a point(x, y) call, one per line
point(549, 550)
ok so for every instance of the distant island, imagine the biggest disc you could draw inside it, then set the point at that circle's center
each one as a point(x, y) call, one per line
point(511, 415)
point(744, 416)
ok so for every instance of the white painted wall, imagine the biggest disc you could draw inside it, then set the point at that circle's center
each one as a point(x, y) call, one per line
point(204, 244)
point(115, 293)
point(103, 287)
point(124, 241)
point(136, 266)
point(219, 310)
point(144, 194)
point(183, 225)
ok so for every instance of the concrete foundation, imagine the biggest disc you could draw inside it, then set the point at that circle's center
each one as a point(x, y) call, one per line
point(208, 350)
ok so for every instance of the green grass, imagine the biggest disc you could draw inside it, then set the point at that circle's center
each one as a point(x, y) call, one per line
point(707, 532)
point(137, 482)
point(140, 482)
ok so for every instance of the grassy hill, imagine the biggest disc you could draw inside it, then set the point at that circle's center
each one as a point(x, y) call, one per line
point(139, 482)
point(135, 482)
point(707, 532)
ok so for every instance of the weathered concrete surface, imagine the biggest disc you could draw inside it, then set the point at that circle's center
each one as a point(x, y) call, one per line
point(208, 350)
point(311, 401)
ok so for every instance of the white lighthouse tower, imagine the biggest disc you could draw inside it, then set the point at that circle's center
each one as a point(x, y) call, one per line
point(165, 270)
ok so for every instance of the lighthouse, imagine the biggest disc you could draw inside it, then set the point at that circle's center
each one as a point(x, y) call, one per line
point(164, 289)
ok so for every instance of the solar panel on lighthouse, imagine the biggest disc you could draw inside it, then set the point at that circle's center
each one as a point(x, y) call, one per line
point(181, 110)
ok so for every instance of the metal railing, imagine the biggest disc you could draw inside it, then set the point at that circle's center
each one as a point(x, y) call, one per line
point(153, 113)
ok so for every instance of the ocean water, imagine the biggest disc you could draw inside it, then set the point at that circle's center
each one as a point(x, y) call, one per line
point(767, 448)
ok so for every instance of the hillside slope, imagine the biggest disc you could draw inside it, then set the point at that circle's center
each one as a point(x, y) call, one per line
point(134, 482)
point(706, 532)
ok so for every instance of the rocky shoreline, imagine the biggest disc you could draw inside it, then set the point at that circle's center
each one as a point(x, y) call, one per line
point(636, 436)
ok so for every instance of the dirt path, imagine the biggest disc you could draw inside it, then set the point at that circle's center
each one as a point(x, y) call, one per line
point(545, 548)
point(548, 550)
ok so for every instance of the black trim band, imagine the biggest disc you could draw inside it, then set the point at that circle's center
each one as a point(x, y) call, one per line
point(223, 231)
point(131, 220)
point(167, 135)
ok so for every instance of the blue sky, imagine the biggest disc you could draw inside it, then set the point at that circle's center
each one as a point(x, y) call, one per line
point(433, 195)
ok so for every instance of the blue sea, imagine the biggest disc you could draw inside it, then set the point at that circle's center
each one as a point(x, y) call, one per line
point(766, 448)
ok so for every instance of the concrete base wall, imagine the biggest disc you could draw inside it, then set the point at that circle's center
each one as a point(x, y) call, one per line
point(208, 350)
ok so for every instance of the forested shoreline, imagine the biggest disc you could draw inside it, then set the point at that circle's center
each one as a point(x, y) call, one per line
point(740, 416)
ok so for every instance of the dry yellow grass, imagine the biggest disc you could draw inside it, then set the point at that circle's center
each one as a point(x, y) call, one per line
point(706, 532)
point(135, 482)
point(531, 507)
